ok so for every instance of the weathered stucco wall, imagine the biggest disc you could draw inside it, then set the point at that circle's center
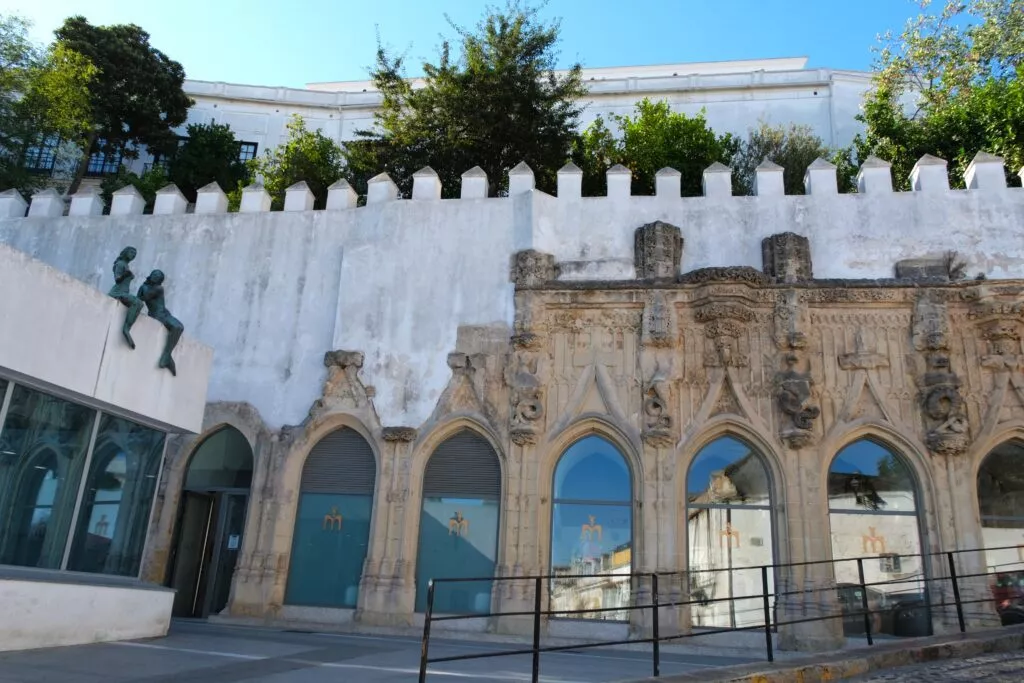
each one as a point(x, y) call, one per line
point(272, 292)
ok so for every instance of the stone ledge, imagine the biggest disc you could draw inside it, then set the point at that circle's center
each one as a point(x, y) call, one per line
point(850, 663)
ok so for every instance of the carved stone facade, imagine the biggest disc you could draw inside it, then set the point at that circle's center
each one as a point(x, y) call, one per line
point(796, 369)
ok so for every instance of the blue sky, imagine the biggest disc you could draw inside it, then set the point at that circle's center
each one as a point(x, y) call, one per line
point(292, 43)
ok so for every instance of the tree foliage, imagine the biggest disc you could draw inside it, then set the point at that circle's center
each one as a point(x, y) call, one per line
point(653, 138)
point(147, 184)
point(135, 97)
point(307, 155)
point(499, 102)
point(949, 85)
point(43, 94)
point(794, 148)
point(209, 154)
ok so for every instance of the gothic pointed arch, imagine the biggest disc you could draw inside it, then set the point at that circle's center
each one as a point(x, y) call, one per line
point(1000, 487)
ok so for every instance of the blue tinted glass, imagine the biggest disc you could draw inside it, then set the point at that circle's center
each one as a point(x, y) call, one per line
point(867, 476)
point(332, 532)
point(593, 469)
point(458, 539)
point(727, 471)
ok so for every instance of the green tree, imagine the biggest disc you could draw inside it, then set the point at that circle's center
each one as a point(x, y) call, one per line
point(949, 85)
point(147, 184)
point(136, 97)
point(794, 148)
point(499, 102)
point(653, 138)
point(307, 155)
point(209, 154)
point(43, 95)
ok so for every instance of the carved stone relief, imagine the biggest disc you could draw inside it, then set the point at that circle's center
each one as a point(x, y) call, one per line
point(724, 325)
point(793, 385)
point(532, 268)
point(657, 251)
point(941, 402)
point(787, 257)
point(343, 390)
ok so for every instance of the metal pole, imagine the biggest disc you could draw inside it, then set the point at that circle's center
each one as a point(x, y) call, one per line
point(425, 646)
point(767, 614)
point(537, 587)
point(654, 602)
point(864, 600)
point(956, 593)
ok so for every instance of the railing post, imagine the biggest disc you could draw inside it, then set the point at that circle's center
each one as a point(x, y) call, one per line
point(654, 603)
point(767, 614)
point(864, 600)
point(537, 588)
point(956, 593)
point(425, 646)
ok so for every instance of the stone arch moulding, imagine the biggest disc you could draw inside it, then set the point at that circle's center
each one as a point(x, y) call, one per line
point(914, 454)
point(294, 459)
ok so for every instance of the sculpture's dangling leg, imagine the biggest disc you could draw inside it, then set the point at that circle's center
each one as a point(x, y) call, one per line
point(174, 331)
point(134, 307)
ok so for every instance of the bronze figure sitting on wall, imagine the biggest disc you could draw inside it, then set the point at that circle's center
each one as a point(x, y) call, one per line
point(151, 293)
point(122, 291)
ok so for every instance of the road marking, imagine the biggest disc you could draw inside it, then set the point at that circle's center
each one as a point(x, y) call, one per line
point(233, 655)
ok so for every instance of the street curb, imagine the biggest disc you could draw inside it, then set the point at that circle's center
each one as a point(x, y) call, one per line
point(847, 664)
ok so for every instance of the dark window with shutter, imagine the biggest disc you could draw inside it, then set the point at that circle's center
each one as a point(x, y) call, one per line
point(341, 462)
point(464, 466)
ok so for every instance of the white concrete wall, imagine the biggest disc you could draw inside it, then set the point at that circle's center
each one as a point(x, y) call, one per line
point(38, 614)
point(63, 332)
point(272, 292)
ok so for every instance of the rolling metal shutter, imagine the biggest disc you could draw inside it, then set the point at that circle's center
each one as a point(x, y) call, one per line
point(341, 462)
point(463, 466)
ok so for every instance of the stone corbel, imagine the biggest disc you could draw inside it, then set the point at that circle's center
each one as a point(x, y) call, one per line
point(399, 434)
point(343, 390)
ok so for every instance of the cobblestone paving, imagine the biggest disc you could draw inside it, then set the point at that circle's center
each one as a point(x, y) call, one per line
point(1004, 667)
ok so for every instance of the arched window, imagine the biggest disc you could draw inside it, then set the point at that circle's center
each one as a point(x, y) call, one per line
point(592, 530)
point(459, 525)
point(332, 527)
point(873, 515)
point(1001, 504)
point(729, 532)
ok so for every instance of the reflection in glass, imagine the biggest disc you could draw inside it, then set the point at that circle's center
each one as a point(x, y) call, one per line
point(43, 444)
point(223, 461)
point(332, 533)
point(1001, 503)
point(873, 515)
point(114, 517)
point(729, 534)
point(592, 531)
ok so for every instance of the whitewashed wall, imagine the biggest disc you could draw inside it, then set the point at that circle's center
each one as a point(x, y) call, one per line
point(272, 292)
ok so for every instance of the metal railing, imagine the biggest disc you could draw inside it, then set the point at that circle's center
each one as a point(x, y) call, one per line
point(927, 577)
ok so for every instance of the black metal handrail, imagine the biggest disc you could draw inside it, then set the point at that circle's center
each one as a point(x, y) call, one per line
point(768, 625)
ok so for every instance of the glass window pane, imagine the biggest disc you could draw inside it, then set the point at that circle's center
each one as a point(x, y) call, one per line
point(114, 518)
point(43, 444)
point(458, 539)
point(593, 469)
point(1001, 482)
point(332, 532)
point(591, 539)
point(728, 471)
point(222, 461)
point(867, 476)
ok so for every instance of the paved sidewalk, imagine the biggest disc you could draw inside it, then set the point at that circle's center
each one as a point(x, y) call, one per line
point(199, 652)
point(1006, 667)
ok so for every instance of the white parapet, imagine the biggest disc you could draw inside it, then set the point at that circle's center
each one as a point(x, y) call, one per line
point(47, 203)
point(874, 176)
point(820, 178)
point(211, 199)
point(570, 181)
point(169, 201)
point(929, 174)
point(474, 184)
point(985, 172)
point(620, 181)
point(717, 180)
point(520, 179)
point(768, 179)
point(255, 199)
point(668, 183)
point(86, 202)
point(127, 201)
point(299, 197)
point(426, 184)
point(340, 195)
point(12, 204)
point(381, 188)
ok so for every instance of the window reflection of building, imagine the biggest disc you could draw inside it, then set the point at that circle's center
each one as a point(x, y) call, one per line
point(332, 524)
point(592, 531)
point(729, 533)
point(458, 535)
point(1001, 504)
point(873, 512)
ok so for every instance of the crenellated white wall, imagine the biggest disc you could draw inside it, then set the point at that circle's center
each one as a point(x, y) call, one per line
point(271, 292)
